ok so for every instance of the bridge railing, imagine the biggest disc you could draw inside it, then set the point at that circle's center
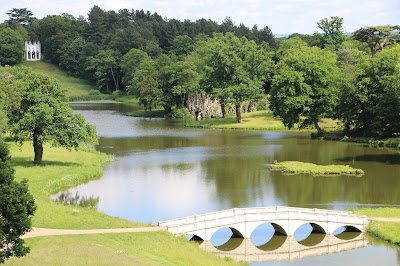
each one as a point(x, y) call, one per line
point(237, 215)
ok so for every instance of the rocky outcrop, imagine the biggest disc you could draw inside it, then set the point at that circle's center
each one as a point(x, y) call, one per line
point(202, 106)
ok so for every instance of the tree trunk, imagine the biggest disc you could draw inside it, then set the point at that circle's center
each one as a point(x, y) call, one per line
point(37, 147)
point(238, 113)
point(373, 51)
point(318, 128)
point(223, 110)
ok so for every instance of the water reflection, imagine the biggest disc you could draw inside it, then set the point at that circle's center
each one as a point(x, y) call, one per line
point(68, 198)
point(284, 248)
point(164, 171)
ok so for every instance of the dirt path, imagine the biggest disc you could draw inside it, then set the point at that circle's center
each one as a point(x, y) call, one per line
point(381, 219)
point(57, 232)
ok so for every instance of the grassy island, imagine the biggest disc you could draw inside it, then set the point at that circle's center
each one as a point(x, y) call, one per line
point(293, 167)
point(62, 169)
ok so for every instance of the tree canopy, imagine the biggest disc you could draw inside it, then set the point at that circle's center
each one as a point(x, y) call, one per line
point(43, 117)
point(16, 208)
point(304, 86)
point(11, 47)
point(377, 37)
point(235, 70)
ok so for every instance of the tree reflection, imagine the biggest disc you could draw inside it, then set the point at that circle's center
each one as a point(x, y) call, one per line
point(67, 198)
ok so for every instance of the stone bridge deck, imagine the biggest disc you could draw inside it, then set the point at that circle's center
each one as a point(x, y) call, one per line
point(285, 220)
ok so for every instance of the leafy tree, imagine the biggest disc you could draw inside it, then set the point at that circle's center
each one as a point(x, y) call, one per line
point(11, 87)
point(305, 86)
point(43, 117)
point(52, 32)
point(376, 37)
point(16, 208)
point(147, 84)
point(105, 69)
point(372, 102)
point(235, 70)
point(333, 34)
point(74, 54)
point(182, 46)
point(184, 79)
point(130, 64)
point(11, 47)
point(21, 15)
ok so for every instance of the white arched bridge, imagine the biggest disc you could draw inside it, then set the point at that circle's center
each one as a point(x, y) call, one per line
point(285, 220)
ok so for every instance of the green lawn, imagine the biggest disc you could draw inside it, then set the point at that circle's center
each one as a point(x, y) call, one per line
point(259, 120)
point(155, 248)
point(75, 86)
point(389, 231)
point(62, 169)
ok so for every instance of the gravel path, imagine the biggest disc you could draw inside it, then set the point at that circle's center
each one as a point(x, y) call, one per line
point(57, 232)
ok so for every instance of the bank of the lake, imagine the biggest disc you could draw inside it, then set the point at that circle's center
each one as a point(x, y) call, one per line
point(62, 169)
point(259, 120)
point(389, 231)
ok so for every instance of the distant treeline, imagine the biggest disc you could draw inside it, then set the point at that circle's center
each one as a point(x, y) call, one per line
point(354, 79)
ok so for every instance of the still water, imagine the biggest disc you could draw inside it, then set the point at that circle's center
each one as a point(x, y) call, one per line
point(164, 171)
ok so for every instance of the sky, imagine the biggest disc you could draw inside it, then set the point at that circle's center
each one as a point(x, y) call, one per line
point(281, 16)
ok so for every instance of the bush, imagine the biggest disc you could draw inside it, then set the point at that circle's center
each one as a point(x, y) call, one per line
point(118, 93)
point(345, 139)
point(181, 113)
point(94, 92)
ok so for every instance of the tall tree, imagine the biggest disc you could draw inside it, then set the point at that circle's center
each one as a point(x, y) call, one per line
point(73, 56)
point(105, 69)
point(377, 37)
point(21, 15)
point(16, 208)
point(332, 32)
point(235, 70)
point(43, 117)
point(305, 86)
point(11, 47)
point(130, 64)
point(371, 102)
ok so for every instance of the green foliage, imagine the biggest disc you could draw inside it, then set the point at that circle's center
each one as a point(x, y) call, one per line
point(105, 69)
point(235, 70)
point(10, 92)
point(43, 117)
point(74, 54)
point(16, 207)
point(21, 15)
point(377, 37)
point(129, 65)
point(293, 167)
point(333, 34)
point(11, 47)
point(181, 113)
point(370, 94)
point(304, 85)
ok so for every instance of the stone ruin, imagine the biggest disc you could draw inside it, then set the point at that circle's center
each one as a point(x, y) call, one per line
point(202, 106)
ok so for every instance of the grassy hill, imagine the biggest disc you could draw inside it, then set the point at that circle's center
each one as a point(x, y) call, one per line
point(75, 86)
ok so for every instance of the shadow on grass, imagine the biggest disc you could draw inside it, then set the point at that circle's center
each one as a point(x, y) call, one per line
point(23, 161)
point(381, 158)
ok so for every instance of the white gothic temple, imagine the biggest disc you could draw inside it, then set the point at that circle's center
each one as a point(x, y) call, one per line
point(33, 51)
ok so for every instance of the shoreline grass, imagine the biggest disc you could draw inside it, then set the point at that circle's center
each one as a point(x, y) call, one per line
point(294, 167)
point(259, 120)
point(61, 169)
point(388, 231)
